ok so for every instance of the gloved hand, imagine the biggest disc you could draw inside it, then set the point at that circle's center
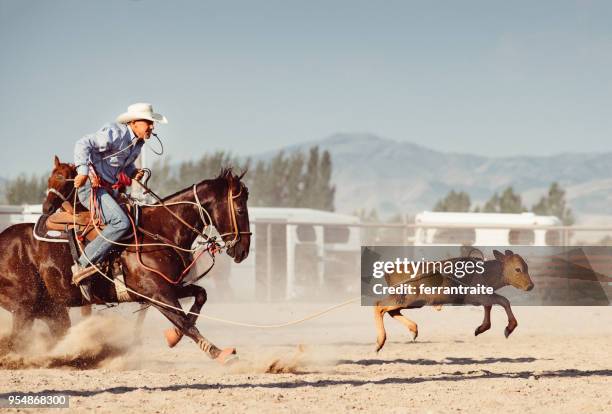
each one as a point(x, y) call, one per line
point(80, 180)
point(139, 174)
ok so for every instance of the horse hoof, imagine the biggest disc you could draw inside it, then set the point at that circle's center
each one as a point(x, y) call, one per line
point(86, 311)
point(173, 336)
point(227, 356)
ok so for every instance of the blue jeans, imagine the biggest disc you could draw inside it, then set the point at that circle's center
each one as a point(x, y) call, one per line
point(116, 221)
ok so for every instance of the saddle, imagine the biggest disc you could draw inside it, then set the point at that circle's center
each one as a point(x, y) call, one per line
point(66, 219)
point(68, 226)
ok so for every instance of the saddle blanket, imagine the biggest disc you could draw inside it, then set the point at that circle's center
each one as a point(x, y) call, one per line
point(42, 233)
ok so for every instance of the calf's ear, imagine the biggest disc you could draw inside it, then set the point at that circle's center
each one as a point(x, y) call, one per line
point(509, 253)
point(499, 255)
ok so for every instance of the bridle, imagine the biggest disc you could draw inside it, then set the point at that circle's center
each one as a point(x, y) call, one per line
point(232, 214)
point(58, 194)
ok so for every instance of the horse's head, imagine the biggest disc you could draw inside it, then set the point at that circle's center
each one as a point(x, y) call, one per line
point(230, 215)
point(514, 270)
point(59, 186)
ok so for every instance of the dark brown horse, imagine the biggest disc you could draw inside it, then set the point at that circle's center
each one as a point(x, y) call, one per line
point(35, 276)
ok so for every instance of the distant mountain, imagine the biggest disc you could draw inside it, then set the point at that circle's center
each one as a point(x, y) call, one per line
point(401, 177)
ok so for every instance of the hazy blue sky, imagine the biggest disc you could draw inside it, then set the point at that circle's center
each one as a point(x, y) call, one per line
point(487, 77)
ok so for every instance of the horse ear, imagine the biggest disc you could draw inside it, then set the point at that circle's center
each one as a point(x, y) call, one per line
point(56, 161)
point(509, 252)
point(498, 255)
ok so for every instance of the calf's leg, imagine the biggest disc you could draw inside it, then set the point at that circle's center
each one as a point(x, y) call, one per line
point(410, 325)
point(486, 323)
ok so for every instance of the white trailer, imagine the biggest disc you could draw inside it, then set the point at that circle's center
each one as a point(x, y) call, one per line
point(486, 229)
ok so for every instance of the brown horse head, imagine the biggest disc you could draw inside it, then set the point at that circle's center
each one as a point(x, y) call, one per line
point(514, 270)
point(231, 217)
point(59, 186)
point(234, 224)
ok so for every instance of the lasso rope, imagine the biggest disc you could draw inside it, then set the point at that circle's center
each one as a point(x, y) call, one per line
point(200, 315)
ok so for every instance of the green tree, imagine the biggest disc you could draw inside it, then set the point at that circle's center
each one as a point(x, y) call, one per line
point(508, 202)
point(24, 190)
point(166, 180)
point(282, 181)
point(162, 179)
point(554, 203)
point(259, 185)
point(294, 180)
point(492, 204)
point(454, 201)
point(311, 178)
point(326, 190)
point(277, 181)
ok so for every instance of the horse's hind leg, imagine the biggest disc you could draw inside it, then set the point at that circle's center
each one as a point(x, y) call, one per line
point(410, 325)
point(54, 315)
point(22, 324)
point(58, 322)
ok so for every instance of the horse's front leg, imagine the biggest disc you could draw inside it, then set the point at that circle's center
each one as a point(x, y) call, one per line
point(174, 335)
point(165, 297)
point(187, 327)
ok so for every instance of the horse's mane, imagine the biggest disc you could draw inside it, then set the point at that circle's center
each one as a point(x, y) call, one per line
point(225, 174)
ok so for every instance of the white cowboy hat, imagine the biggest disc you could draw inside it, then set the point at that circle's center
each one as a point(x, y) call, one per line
point(141, 111)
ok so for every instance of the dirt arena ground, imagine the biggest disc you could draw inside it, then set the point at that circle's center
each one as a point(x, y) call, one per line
point(559, 359)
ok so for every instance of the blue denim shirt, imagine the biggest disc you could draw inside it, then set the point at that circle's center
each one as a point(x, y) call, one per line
point(112, 149)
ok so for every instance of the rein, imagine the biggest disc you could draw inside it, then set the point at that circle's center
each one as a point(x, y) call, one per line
point(176, 216)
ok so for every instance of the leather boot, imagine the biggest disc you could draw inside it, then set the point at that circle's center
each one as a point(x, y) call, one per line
point(80, 277)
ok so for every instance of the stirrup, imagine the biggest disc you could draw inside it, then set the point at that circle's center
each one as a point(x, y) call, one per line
point(85, 290)
point(79, 273)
